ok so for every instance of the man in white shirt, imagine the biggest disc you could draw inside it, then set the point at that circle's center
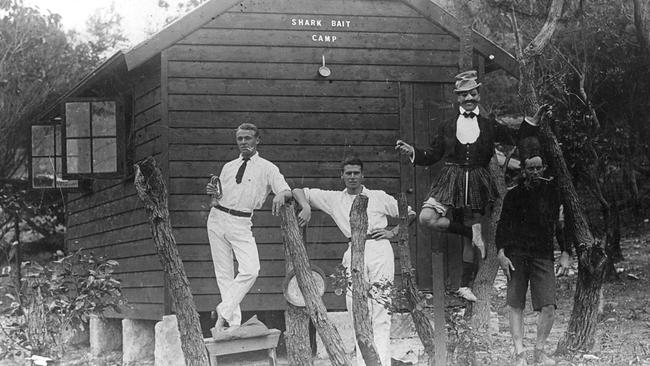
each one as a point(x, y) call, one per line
point(245, 184)
point(378, 257)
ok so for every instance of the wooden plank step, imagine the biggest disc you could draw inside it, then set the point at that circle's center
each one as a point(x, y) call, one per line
point(231, 346)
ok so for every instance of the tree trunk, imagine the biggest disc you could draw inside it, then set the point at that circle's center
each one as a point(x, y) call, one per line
point(299, 352)
point(612, 222)
point(641, 19)
point(584, 316)
point(18, 259)
point(296, 336)
point(487, 272)
point(591, 256)
point(314, 303)
point(414, 299)
point(466, 19)
point(360, 285)
point(150, 185)
point(527, 57)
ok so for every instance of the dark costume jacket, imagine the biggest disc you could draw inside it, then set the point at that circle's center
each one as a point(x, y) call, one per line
point(528, 221)
point(464, 180)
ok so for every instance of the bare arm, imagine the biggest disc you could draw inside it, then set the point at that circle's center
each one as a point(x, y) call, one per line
point(305, 213)
point(391, 233)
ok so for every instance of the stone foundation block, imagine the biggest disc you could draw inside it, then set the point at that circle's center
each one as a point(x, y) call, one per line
point(138, 342)
point(105, 335)
point(168, 350)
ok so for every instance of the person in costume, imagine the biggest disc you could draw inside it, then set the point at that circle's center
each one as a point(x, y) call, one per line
point(465, 145)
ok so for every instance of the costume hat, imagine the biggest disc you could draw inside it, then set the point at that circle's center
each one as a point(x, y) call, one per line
point(466, 81)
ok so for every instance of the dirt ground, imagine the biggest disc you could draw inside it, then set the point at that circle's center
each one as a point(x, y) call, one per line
point(623, 335)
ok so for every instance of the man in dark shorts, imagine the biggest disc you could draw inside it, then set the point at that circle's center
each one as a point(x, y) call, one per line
point(524, 238)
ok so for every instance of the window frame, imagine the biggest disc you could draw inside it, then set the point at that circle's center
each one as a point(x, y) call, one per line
point(54, 122)
point(120, 142)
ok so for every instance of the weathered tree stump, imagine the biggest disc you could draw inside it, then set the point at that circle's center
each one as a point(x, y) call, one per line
point(296, 336)
point(297, 254)
point(360, 285)
point(150, 185)
point(414, 298)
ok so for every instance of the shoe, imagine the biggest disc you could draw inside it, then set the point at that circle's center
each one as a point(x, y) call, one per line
point(220, 324)
point(467, 294)
point(542, 359)
point(520, 359)
point(230, 328)
point(477, 239)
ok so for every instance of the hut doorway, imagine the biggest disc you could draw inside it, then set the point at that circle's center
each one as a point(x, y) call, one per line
point(423, 106)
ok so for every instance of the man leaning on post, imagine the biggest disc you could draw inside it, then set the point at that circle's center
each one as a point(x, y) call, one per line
point(379, 260)
point(245, 184)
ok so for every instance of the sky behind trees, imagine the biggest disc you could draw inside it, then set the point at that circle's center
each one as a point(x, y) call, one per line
point(139, 18)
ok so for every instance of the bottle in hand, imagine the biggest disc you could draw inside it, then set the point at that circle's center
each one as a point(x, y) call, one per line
point(214, 180)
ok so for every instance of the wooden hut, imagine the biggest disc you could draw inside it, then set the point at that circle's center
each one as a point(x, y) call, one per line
point(179, 95)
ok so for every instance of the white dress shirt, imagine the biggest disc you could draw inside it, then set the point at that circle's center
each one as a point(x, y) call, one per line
point(467, 129)
point(261, 177)
point(337, 204)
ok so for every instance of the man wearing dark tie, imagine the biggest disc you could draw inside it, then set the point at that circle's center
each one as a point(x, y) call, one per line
point(465, 145)
point(245, 184)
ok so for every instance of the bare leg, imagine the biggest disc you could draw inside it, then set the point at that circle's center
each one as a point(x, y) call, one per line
point(544, 324)
point(476, 222)
point(517, 328)
point(433, 219)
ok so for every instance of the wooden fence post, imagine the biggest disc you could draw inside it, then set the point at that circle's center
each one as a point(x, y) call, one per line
point(360, 285)
point(307, 284)
point(296, 336)
point(150, 185)
point(414, 298)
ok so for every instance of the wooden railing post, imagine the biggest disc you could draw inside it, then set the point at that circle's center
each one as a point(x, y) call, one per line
point(297, 254)
point(150, 185)
point(414, 298)
point(296, 318)
point(360, 285)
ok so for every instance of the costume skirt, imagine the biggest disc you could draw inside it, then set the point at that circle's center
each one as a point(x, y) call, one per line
point(461, 186)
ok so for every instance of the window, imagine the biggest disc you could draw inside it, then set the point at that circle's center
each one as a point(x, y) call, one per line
point(92, 146)
point(47, 158)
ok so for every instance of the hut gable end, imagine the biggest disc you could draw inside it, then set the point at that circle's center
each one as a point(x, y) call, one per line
point(258, 62)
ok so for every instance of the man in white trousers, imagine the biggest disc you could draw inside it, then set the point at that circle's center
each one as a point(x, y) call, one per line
point(378, 256)
point(245, 184)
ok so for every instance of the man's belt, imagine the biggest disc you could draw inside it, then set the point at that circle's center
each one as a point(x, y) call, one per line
point(233, 212)
point(368, 237)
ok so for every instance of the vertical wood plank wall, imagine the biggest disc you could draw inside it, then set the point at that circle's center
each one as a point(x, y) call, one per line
point(257, 63)
point(111, 222)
